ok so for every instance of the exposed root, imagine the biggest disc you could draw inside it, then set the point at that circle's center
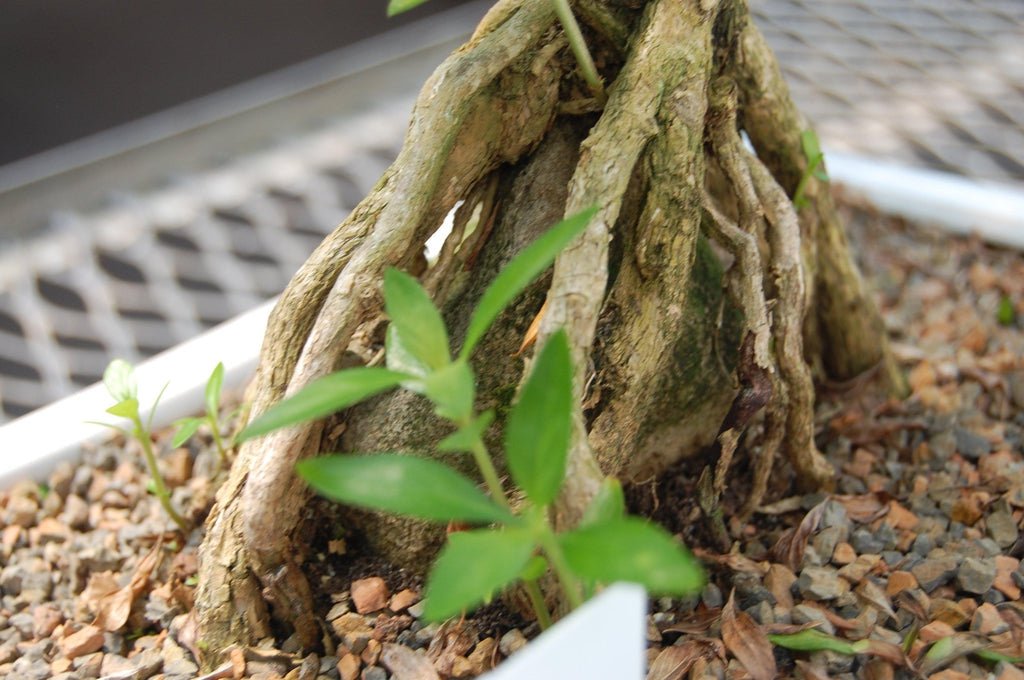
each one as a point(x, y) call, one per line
point(812, 470)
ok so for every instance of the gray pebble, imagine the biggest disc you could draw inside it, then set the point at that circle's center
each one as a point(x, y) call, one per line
point(942, 445)
point(825, 541)
point(821, 583)
point(976, 576)
point(712, 596)
point(31, 669)
point(23, 623)
point(892, 557)
point(511, 642)
point(374, 673)
point(971, 445)
point(762, 613)
point(923, 544)
point(993, 596)
point(935, 571)
point(835, 516)
point(865, 542)
point(1001, 528)
point(805, 613)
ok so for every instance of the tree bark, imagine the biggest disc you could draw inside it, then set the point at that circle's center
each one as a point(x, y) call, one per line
point(652, 311)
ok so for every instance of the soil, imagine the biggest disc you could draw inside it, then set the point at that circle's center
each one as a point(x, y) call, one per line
point(919, 545)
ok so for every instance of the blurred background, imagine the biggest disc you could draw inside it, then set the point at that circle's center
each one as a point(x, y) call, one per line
point(167, 165)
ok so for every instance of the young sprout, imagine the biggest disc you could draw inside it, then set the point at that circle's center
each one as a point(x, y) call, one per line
point(815, 166)
point(514, 544)
point(188, 426)
point(119, 379)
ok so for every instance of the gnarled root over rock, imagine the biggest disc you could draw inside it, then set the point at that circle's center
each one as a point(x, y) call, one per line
point(504, 134)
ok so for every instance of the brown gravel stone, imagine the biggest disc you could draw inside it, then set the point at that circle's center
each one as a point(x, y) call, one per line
point(843, 554)
point(177, 467)
point(901, 518)
point(45, 618)
point(403, 599)
point(1005, 566)
point(898, 582)
point(85, 641)
point(778, 581)
point(936, 630)
point(482, 657)
point(1008, 672)
point(987, 620)
point(348, 667)
point(949, 674)
point(948, 611)
point(369, 594)
point(371, 655)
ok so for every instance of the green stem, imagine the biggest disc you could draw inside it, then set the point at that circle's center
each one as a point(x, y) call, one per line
point(490, 473)
point(570, 585)
point(540, 608)
point(159, 487)
point(579, 48)
point(218, 442)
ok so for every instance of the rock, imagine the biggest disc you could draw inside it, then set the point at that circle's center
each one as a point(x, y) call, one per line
point(461, 668)
point(348, 667)
point(337, 611)
point(45, 618)
point(805, 613)
point(374, 673)
point(860, 567)
point(988, 621)
point(1005, 566)
point(1002, 528)
point(865, 542)
point(31, 669)
point(976, 575)
point(711, 596)
point(843, 554)
point(923, 544)
point(511, 642)
point(76, 513)
point(371, 654)
point(942, 445)
point(934, 572)
point(779, 580)
point(482, 656)
point(88, 666)
point(369, 594)
point(898, 582)
point(936, 630)
point(948, 612)
point(402, 600)
point(23, 623)
point(971, 445)
point(176, 660)
point(826, 540)
point(821, 583)
point(21, 511)
point(1007, 671)
point(86, 641)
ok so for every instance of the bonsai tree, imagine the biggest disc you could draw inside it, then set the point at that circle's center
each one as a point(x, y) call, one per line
point(698, 300)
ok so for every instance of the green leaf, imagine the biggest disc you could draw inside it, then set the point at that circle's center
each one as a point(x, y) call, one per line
point(324, 396)
point(534, 569)
point(812, 640)
point(399, 6)
point(404, 485)
point(540, 424)
point(119, 379)
point(996, 657)
point(452, 390)
point(631, 549)
point(398, 358)
point(811, 147)
point(1006, 315)
point(127, 408)
point(213, 388)
point(609, 504)
point(820, 173)
point(462, 440)
point(186, 428)
point(472, 567)
point(520, 272)
point(420, 325)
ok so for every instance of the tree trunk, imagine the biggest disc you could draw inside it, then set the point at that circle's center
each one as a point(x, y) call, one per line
point(656, 314)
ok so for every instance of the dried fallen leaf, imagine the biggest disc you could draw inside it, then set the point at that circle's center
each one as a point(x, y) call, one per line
point(735, 561)
point(812, 672)
point(113, 608)
point(865, 508)
point(697, 623)
point(789, 549)
point(674, 662)
point(875, 596)
point(747, 642)
point(406, 664)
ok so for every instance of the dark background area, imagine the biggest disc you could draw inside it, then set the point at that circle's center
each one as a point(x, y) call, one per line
point(70, 68)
